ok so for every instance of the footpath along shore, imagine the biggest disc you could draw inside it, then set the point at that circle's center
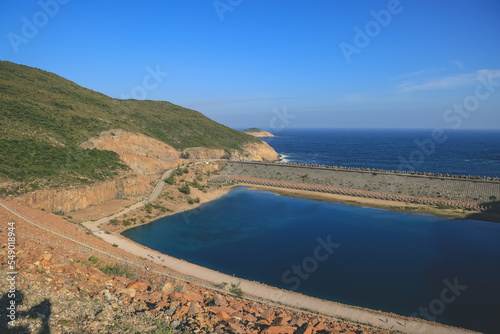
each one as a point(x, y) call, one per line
point(264, 292)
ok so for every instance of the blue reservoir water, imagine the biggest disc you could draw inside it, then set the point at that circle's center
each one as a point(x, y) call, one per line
point(460, 152)
point(442, 270)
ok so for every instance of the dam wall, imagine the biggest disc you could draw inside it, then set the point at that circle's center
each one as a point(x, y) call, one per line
point(437, 186)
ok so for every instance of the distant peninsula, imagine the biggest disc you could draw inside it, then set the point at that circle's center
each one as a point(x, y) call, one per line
point(258, 133)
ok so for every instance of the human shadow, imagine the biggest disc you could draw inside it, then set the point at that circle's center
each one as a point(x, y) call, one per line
point(41, 311)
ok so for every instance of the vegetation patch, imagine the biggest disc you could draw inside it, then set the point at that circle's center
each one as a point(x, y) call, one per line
point(24, 160)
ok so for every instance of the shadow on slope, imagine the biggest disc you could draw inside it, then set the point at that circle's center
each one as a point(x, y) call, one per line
point(41, 311)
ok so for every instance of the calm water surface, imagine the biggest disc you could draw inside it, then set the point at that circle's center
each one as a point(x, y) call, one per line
point(373, 258)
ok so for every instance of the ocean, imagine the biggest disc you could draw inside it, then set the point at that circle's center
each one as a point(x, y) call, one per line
point(460, 152)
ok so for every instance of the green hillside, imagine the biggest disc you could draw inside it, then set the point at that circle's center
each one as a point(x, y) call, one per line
point(43, 108)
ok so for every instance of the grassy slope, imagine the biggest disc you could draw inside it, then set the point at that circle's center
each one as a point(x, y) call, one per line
point(46, 117)
point(43, 106)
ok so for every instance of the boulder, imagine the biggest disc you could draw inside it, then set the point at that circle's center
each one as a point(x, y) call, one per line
point(129, 292)
point(194, 308)
point(167, 288)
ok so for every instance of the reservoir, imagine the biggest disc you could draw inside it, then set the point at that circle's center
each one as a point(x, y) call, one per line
point(410, 264)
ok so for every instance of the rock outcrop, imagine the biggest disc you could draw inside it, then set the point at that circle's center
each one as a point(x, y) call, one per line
point(143, 154)
point(203, 153)
point(80, 197)
point(148, 156)
point(251, 151)
point(257, 151)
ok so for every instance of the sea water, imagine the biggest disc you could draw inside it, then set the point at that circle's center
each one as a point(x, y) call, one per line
point(459, 152)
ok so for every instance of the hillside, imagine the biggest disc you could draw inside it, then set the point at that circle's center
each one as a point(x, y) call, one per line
point(46, 119)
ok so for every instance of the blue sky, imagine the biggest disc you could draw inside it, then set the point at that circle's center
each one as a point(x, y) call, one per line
point(243, 62)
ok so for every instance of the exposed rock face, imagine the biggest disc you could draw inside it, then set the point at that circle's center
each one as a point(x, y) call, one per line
point(205, 153)
point(80, 197)
point(257, 151)
point(149, 166)
point(146, 156)
point(143, 154)
point(128, 143)
point(251, 151)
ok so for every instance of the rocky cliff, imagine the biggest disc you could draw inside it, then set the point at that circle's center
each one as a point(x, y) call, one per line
point(80, 197)
point(252, 151)
point(257, 151)
point(146, 157)
point(143, 154)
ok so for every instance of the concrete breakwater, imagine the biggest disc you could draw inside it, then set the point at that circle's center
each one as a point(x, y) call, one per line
point(346, 191)
point(377, 170)
point(462, 192)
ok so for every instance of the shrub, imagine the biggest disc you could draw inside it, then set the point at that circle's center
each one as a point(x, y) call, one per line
point(93, 259)
point(185, 189)
point(149, 207)
point(236, 290)
point(493, 198)
point(171, 179)
point(443, 206)
point(117, 270)
point(193, 200)
point(114, 222)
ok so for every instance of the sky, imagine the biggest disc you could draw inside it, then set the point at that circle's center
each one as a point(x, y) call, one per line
point(275, 64)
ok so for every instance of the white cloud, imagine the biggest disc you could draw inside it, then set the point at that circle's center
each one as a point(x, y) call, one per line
point(460, 80)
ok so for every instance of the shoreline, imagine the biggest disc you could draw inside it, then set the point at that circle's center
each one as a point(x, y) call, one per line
point(198, 273)
point(137, 256)
point(394, 206)
point(223, 191)
point(283, 298)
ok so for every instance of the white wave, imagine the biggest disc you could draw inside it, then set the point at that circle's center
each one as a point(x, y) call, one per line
point(284, 158)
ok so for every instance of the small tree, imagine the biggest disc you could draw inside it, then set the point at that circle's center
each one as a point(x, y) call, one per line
point(171, 179)
point(185, 189)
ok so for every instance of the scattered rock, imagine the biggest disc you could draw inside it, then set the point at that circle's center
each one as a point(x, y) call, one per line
point(167, 288)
